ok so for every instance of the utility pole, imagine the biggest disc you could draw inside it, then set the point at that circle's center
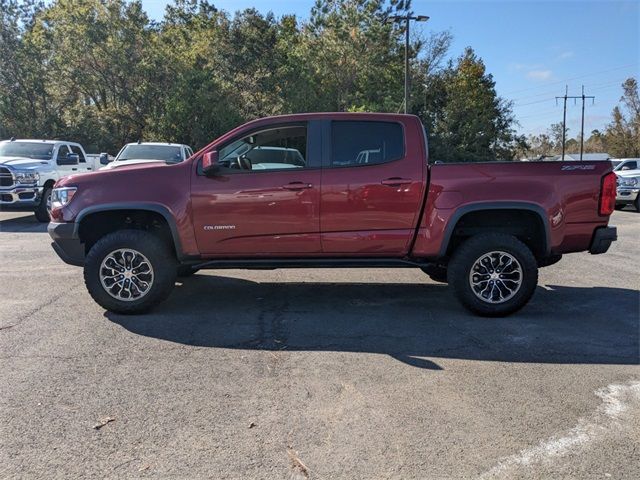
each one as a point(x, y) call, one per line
point(564, 118)
point(582, 126)
point(407, 19)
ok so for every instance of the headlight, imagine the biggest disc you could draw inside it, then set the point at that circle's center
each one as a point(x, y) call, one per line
point(62, 196)
point(26, 176)
point(628, 182)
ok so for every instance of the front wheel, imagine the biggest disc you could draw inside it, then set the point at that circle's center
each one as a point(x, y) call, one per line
point(493, 274)
point(130, 271)
point(44, 207)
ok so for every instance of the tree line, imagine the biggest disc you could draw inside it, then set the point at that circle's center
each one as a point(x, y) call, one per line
point(103, 73)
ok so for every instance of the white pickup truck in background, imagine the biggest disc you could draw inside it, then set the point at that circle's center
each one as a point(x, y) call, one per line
point(29, 168)
point(149, 152)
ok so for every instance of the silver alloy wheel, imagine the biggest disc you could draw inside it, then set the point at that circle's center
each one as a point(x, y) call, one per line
point(126, 274)
point(495, 277)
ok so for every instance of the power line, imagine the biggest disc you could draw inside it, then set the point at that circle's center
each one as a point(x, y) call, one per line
point(550, 94)
point(544, 100)
point(573, 78)
point(539, 114)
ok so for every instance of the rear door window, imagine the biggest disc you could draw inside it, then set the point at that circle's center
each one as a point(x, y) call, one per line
point(358, 143)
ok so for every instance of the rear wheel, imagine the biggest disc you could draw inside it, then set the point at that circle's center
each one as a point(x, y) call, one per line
point(493, 274)
point(43, 209)
point(130, 271)
point(636, 203)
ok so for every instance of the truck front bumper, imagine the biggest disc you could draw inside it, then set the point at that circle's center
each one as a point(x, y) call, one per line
point(626, 195)
point(602, 239)
point(66, 243)
point(21, 196)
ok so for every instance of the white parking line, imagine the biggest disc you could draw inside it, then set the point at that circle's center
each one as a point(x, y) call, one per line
point(618, 403)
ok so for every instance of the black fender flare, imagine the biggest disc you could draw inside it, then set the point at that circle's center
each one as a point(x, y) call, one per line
point(481, 206)
point(141, 206)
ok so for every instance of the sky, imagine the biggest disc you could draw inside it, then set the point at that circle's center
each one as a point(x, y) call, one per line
point(532, 49)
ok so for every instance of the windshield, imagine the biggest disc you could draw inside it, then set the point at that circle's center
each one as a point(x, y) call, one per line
point(38, 151)
point(165, 153)
point(633, 165)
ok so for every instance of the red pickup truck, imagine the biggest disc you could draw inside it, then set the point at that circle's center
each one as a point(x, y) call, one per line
point(330, 190)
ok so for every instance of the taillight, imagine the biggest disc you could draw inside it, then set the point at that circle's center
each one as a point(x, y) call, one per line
point(608, 194)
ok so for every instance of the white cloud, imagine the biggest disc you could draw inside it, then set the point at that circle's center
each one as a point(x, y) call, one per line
point(540, 75)
point(565, 55)
point(524, 66)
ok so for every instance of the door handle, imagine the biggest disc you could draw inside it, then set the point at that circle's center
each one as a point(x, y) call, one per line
point(74, 169)
point(297, 186)
point(395, 181)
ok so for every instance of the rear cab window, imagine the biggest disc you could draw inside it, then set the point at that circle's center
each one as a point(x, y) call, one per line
point(358, 143)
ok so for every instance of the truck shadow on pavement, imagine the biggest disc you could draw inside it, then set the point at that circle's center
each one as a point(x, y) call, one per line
point(23, 224)
point(413, 323)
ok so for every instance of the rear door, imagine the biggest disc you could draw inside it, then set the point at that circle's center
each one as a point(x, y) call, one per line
point(372, 187)
point(262, 205)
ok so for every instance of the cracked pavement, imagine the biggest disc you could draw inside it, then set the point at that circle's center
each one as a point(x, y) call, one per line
point(319, 373)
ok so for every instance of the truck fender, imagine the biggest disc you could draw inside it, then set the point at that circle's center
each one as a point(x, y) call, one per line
point(475, 207)
point(148, 206)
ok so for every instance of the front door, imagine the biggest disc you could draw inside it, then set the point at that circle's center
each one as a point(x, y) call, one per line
point(84, 165)
point(371, 189)
point(63, 167)
point(265, 199)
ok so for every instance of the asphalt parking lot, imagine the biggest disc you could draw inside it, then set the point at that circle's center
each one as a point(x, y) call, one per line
point(319, 374)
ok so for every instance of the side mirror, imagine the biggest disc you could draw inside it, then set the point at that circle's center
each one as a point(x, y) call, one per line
point(70, 159)
point(104, 158)
point(210, 164)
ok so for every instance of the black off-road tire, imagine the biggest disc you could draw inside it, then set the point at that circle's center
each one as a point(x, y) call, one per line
point(636, 203)
point(186, 271)
point(437, 273)
point(157, 252)
point(459, 269)
point(41, 211)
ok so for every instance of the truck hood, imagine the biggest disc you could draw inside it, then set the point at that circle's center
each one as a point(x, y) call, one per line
point(22, 162)
point(127, 163)
point(629, 173)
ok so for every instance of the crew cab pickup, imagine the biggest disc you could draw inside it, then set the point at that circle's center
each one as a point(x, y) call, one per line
point(29, 168)
point(330, 190)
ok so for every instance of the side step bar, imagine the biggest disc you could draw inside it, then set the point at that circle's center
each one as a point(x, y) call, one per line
point(272, 263)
